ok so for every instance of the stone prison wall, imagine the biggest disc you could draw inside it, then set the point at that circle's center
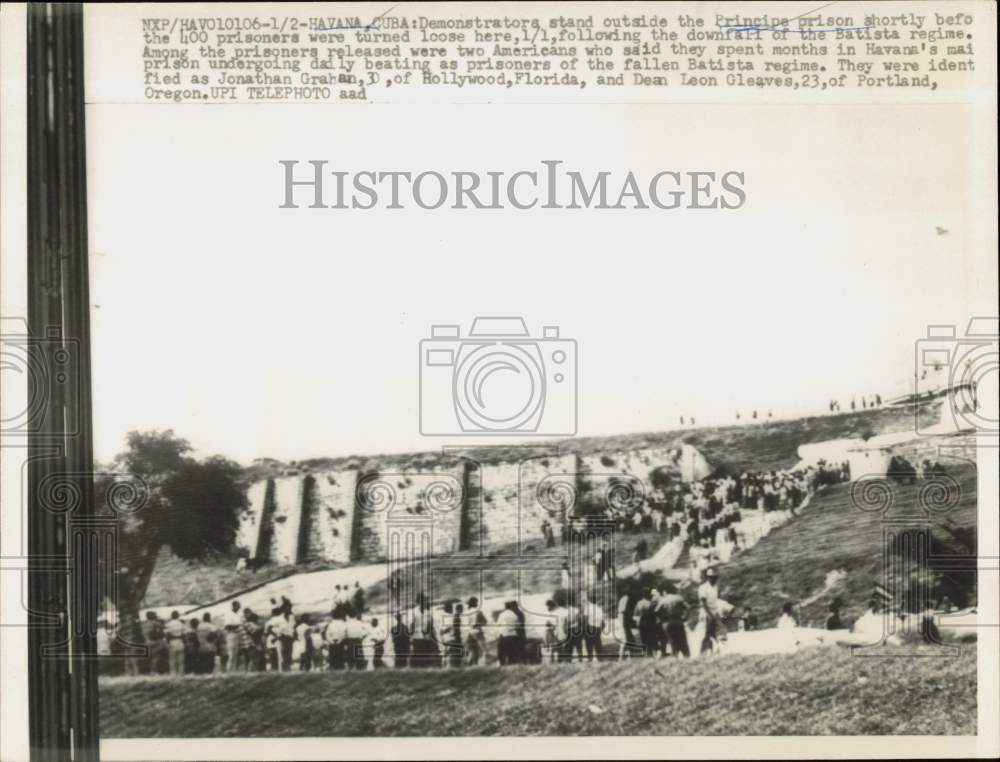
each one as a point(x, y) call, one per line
point(346, 515)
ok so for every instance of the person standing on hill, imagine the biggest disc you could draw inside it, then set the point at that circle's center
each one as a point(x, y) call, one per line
point(153, 635)
point(334, 635)
point(551, 643)
point(251, 642)
point(356, 631)
point(456, 637)
point(318, 646)
point(565, 582)
point(507, 630)
point(130, 631)
point(569, 628)
point(358, 599)
point(645, 622)
point(285, 631)
point(787, 619)
point(599, 561)
point(521, 643)
point(708, 601)
point(174, 632)
point(593, 626)
point(424, 648)
point(233, 625)
point(191, 661)
point(626, 612)
point(443, 626)
point(302, 651)
point(338, 600)
point(833, 621)
point(377, 637)
point(475, 640)
point(672, 613)
point(400, 642)
point(395, 585)
point(271, 643)
point(208, 644)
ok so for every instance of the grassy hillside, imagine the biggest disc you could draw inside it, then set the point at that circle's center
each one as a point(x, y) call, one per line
point(470, 574)
point(834, 535)
point(177, 581)
point(815, 692)
point(764, 446)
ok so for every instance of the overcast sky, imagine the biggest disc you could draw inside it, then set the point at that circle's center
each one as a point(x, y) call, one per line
point(257, 331)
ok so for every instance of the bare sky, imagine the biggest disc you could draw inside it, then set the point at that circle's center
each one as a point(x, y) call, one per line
point(258, 331)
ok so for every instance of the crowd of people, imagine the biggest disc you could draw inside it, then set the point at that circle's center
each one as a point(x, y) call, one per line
point(710, 517)
point(699, 508)
point(651, 618)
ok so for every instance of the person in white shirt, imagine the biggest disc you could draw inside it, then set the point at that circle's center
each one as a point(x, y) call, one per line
point(232, 623)
point(334, 635)
point(103, 638)
point(318, 645)
point(302, 648)
point(174, 634)
point(708, 602)
point(355, 633)
point(564, 578)
point(569, 632)
point(551, 644)
point(787, 619)
point(507, 624)
point(286, 638)
point(271, 641)
point(424, 650)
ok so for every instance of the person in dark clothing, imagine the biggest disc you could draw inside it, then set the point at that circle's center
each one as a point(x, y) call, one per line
point(191, 664)
point(378, 646)
point(358, 600)
point(646, 620)
point(833, 621)
point(455, 637)
point(520, 645)
point(672, 613)
point(153, 636)
point(641, 551)
point(749, 619)
point(475, 638)
point(400, 642)
point(593, 625)
point(395, 585)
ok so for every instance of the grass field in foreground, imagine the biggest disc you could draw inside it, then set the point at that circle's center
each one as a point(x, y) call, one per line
point(816, 692)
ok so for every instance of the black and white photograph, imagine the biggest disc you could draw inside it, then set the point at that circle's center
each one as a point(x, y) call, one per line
point(499, 380)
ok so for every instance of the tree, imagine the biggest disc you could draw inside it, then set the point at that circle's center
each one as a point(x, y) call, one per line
point(191, 506)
